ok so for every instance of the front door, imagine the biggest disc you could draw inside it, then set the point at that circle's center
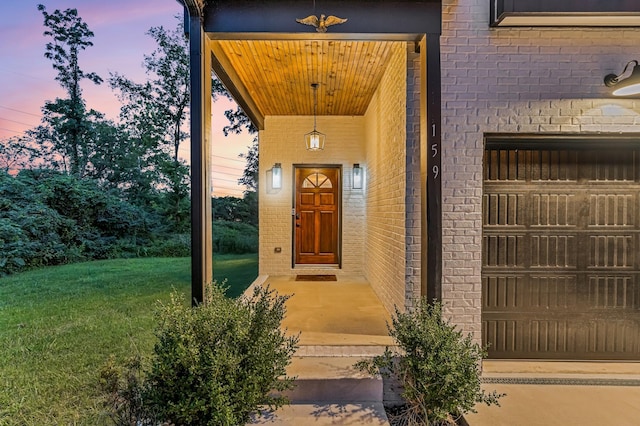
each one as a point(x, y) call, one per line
point(317, 212)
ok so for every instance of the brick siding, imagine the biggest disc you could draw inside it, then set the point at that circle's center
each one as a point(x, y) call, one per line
point(513, 80)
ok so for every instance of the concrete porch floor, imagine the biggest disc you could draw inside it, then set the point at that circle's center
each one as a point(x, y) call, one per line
point(343, 317)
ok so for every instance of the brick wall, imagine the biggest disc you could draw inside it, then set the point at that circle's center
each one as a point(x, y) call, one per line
point(385, 128)
point(282, 141)
point(513, 80)
point(413, 190)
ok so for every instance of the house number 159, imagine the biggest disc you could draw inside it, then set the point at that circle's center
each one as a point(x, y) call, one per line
point(435, 169)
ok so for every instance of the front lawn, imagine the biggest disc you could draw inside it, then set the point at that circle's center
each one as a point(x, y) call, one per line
point(59, 325)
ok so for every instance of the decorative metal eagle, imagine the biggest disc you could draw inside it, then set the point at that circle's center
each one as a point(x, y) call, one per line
point(322, 23)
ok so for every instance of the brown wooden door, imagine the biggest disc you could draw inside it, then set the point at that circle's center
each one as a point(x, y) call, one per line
point(561, 253)
point(316, 222)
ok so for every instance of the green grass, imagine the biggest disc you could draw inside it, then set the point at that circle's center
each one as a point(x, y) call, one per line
point(59, 325)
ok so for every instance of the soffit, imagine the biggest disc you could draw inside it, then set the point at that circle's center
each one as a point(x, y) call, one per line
point(277, 74)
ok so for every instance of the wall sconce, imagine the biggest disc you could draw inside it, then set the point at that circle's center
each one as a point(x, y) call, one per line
point(357, 176)
point(276, 176)
point(627, 86)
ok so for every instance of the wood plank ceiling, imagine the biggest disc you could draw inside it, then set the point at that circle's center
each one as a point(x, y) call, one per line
point(278, 73)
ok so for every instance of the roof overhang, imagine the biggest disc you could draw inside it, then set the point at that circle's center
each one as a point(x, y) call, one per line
point(565, 13)
point(193, 7)
point(268, 61)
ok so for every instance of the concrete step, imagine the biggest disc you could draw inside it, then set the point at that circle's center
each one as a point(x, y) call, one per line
point(332, 380)
point(334, 350)
point(322, 414)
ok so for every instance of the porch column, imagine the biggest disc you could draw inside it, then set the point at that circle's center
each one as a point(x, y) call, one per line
point(201, 237)
point(431, 167)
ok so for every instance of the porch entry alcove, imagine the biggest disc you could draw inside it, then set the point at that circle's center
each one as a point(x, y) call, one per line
point(377, 75)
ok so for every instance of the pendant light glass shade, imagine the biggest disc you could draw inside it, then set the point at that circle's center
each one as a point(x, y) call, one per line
point(314, 140)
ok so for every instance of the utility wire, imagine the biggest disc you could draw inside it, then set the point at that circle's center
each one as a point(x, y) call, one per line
point(20, 111)
point(224, 180)
point(19, 122)
point(12, 131)
point(226, 172)
point(23, 74)
point(228, 167)
point(230, 159)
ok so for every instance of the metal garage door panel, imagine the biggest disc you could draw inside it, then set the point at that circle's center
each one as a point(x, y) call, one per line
point(561, 254)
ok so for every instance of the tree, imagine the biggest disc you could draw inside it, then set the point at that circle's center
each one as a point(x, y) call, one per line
point(250, 174)
point(154, 113)
point(64, 133)
point(121, 162)
point(239, 121)
point(15, 153)
point(233, 209)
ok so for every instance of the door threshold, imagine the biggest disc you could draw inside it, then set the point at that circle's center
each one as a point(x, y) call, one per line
point(331, 267)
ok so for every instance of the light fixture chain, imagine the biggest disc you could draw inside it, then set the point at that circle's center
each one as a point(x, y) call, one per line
point(315, 105)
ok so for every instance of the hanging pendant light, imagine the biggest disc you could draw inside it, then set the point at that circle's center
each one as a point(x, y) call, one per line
point(314, 140)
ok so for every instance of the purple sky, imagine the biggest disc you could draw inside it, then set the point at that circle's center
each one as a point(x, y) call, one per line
point(27, 78)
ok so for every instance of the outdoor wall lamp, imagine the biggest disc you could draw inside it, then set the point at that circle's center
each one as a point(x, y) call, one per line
point(357, 176)
point(627, 86)
point(314, 140)
point(276, 176)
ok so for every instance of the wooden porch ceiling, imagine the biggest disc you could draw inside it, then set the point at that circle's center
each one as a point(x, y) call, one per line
point(274, 77)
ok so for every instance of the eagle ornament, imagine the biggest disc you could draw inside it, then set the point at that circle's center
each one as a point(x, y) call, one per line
point(322, 23)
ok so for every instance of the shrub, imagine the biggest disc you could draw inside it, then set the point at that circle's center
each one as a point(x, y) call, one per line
point(49, 218)
point(214, 364)
point(437, 366)
point(234, 237)
point(174, 245)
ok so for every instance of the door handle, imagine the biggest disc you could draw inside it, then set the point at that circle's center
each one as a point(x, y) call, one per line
point(297, 224)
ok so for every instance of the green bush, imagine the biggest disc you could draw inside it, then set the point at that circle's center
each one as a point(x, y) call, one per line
point(234, 237)
point(215, 364)
point(51, 218)
point(30, 232)
point(177, 245)
point(438, 367)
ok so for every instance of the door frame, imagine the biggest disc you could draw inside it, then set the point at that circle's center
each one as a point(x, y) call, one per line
point(340, 184)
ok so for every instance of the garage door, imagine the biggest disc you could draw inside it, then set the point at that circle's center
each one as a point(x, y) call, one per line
point(561, 252)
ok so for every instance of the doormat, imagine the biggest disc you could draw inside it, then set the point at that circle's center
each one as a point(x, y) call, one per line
point(316, 278)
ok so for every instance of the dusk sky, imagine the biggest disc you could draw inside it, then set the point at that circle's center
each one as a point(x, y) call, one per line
point(27, 78)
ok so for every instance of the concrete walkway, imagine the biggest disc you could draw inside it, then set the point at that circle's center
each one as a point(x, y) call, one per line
point(339, 322)
point(327, 414)
point(561, 393)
